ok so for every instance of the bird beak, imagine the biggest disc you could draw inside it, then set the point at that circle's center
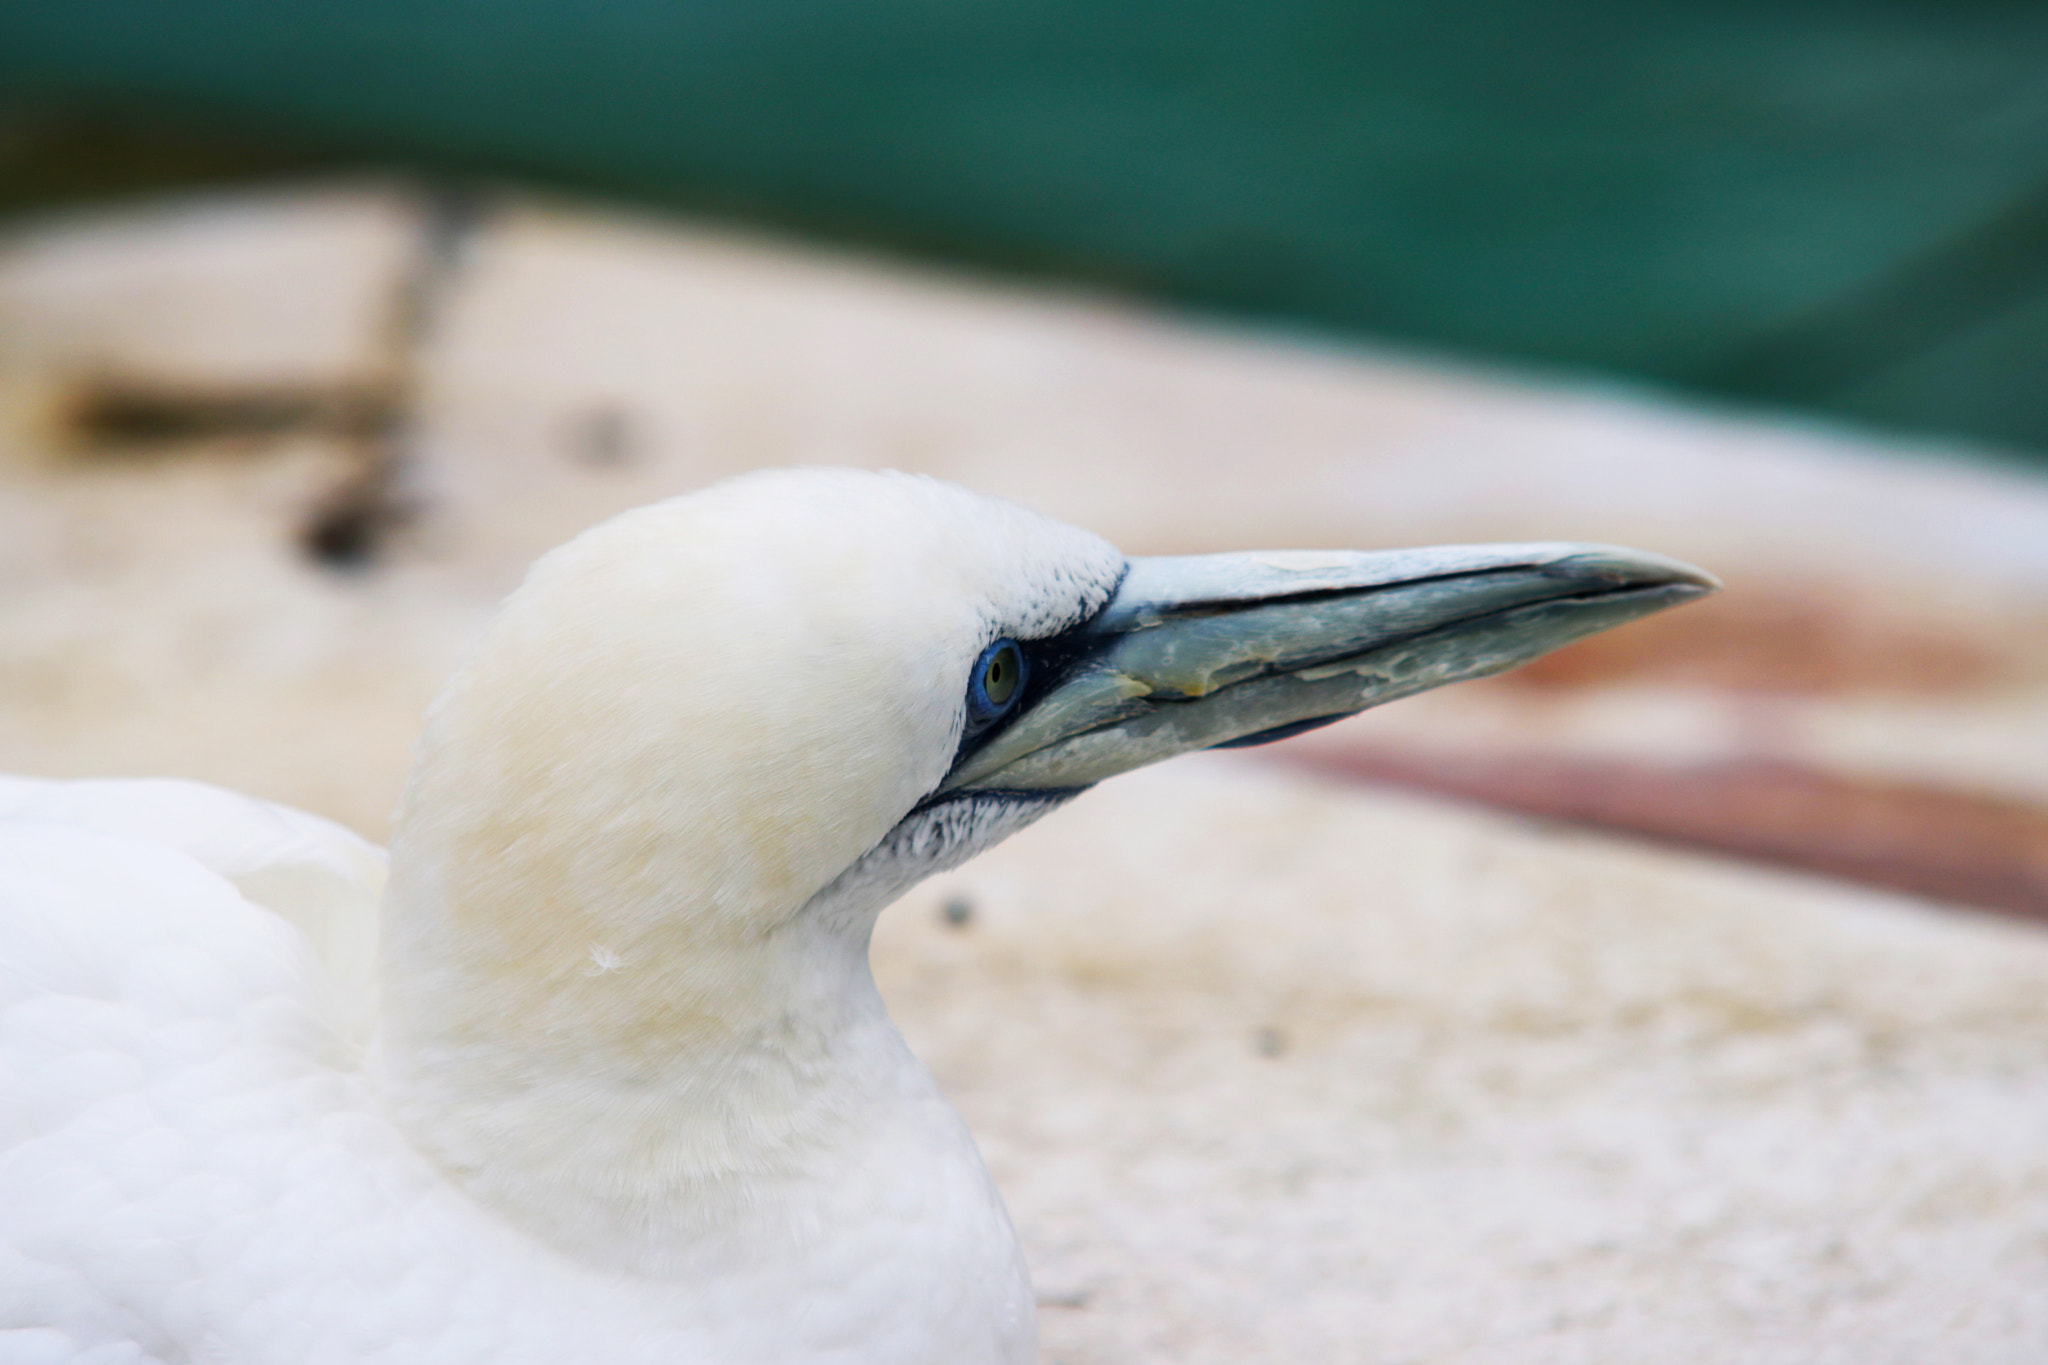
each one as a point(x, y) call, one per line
point(1207, 651)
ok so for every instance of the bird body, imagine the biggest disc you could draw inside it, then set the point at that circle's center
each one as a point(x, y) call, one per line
point(202, 1171)
point(606, 1077)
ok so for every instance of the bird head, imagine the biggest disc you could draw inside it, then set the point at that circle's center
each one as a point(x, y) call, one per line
point(714, 709)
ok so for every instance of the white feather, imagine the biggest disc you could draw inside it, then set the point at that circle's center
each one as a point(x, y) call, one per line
point(630, 1094)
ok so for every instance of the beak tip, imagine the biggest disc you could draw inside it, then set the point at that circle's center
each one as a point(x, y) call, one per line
point(1693, 582)
point(1625, 568)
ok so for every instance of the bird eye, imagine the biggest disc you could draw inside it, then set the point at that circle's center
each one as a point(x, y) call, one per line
point(998, 679)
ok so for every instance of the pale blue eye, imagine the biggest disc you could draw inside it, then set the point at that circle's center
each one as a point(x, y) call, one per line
point(996, 682)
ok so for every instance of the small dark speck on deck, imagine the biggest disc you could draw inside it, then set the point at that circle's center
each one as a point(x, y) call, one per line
point(958, 912)
point(603, 437)
point(1269, 1042)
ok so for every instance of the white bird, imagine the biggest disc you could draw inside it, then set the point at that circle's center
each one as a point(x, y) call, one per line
point(611, 1081)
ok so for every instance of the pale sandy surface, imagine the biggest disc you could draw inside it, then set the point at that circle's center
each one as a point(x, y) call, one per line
point(1536, 1096)
point(1279, 1072)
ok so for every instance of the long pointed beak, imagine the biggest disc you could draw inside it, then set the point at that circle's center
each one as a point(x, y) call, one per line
point(1204, 651)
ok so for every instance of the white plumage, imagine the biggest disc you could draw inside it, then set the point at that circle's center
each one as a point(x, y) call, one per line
point(611, 1082)
point(644, 1110)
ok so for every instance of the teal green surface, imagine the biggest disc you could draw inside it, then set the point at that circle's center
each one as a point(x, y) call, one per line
point(1840, 206)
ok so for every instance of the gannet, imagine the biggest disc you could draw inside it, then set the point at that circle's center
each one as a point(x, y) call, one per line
point(609, 1080)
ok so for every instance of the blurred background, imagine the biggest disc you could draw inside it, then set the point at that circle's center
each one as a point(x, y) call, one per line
point(319, 320)
point(1814, 234)
point(1832, 206)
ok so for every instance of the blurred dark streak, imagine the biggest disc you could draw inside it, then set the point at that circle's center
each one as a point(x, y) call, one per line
point(119, 418)
point(113, 416)
point(348, 528)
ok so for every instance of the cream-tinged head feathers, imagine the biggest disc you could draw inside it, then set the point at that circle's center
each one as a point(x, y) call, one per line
point(706, 709)
point(682, 727)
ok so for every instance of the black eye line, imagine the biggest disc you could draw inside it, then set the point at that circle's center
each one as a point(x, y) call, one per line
point(1048, 662)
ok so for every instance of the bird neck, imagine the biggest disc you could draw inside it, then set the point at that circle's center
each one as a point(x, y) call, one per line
point(646, 1085)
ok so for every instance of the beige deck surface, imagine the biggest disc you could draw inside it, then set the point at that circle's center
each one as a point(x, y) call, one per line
point(1272, 1069)
point(1274, 1072)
